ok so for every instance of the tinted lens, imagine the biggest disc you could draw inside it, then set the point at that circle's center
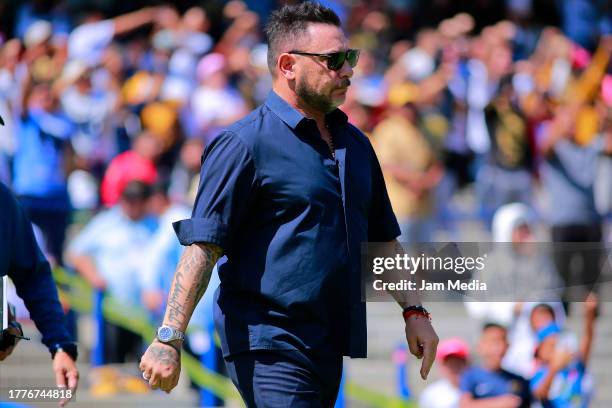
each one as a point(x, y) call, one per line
point(336, 60)
point(352, 56)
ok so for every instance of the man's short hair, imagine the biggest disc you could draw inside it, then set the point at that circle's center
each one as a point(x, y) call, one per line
point(290, 22)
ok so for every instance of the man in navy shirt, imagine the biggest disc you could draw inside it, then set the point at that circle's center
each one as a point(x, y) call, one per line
point(24, 263)
point(288, 194)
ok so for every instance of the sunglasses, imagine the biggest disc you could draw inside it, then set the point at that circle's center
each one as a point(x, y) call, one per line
point(335, 60)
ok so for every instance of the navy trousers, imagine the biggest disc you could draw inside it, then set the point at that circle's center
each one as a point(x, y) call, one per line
point(285, 378)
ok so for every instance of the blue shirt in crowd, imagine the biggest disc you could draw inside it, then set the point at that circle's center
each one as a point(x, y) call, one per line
point(568, 389)
point(291, 220)
point(39, 164)
point(116, 244)
point(483, 383)
point(24, 263)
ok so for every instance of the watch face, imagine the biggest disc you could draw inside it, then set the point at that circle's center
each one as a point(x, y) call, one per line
point(164, 333)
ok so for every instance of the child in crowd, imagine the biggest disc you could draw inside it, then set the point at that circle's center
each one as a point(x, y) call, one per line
point(452, 356)
point(488, 385)
point(561, 379)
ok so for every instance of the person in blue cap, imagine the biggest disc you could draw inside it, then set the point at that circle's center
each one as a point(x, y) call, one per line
point(561, 379)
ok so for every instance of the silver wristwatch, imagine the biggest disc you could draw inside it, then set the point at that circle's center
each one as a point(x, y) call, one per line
point(166, 334)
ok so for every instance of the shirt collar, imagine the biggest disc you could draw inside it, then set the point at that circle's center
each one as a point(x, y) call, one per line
point(292, 117)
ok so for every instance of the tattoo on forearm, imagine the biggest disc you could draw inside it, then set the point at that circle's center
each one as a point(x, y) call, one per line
point(190, 281)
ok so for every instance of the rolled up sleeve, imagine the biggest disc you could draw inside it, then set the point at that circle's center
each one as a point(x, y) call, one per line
point(227, 184)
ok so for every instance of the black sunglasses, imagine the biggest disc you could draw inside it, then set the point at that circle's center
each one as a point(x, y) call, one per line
point(335, 60)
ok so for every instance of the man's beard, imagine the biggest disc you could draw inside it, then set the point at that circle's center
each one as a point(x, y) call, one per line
point(320, 102)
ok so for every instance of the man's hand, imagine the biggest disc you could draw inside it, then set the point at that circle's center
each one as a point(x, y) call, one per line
point(161, 366)
point(66, 373)
point(422, 341)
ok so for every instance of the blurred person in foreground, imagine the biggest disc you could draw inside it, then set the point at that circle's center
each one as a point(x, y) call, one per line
point(489, 385)
point(272, 198)
point(23, 262)
point(108, 254)
point(453, 359)
point(561, 379)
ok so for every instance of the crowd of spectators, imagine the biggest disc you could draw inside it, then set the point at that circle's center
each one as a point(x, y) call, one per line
point(108, 111)
point(555, 373)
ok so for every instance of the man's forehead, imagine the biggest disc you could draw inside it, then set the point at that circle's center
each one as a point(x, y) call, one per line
point(325, 38)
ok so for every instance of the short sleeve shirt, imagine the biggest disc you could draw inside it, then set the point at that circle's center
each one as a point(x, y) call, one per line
point(291, 219)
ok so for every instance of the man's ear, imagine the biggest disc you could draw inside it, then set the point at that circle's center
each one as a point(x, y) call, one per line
point(286, 65)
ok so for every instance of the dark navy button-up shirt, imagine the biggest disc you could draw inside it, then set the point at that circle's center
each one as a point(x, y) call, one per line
point(291, 220)
point(24, 263)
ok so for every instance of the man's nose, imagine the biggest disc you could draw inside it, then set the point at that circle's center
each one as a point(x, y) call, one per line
point(346, 71)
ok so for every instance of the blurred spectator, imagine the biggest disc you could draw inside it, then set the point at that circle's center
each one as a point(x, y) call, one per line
point(108, 254)
point(522, 269)
point(568, 175)
point(41, 163)
point(489, 385)
point(453, 359)
point(53, 12)
point(88, 41)
point(411, 172)
point(43, 57)
point(561, 379)
point(164, 250)
point(185, 175)
point(506, 175)
point(215, 102)
point(135, 164)
point(530, 318)
point(90, 111)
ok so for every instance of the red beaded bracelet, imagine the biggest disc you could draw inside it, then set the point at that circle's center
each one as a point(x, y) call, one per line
point(416, 311)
